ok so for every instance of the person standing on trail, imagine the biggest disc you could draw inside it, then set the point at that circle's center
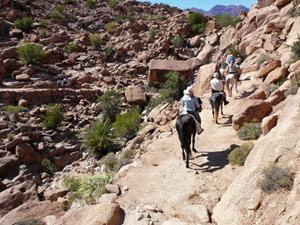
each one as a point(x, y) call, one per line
point(217, 86)
point(191, 105)
point(232, 68)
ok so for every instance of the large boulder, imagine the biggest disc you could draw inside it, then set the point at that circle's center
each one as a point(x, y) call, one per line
point(159, 68)
point(35, 209)
point(17, 195)
point(268, 123)
point(280, 3)
point(107, 213)
point(276, 74)
point(8, 164)
point(249, 110)
point(162, 114)
point(293, 34)
point(206, 52)
point(204, 76)
point(24, 150)
point(265, 3)
point(9, 53)
point(264, 71)
point(135, 96)
point(244, 202)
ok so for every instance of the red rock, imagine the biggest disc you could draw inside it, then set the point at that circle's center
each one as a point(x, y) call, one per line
point(8, 164)
point(2, 69)
point(264, 71)
point(109, 80)
point(206, 52)
point(24, 149)
point(276, 74)
point(23, 77)
point(258, 94)
point(135, 96)
point(17, 195)
point(16, 33)
point(34, 209)
point(13, 143)
point(269, 123)
point(204, 76)
point(23, 102)
point(112, 189)
point(249, 110)
point(276, 97)
point(53, 195)
point(9, 53)
point(280, 3)
point(265, 3)
point(137, 45)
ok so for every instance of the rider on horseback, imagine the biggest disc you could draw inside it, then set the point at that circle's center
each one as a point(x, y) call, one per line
point(232, 68)
point(190, 105)
point(217, 86)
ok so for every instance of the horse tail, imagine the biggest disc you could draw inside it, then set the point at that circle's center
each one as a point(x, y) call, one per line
point(227, 81)
point(183, 139)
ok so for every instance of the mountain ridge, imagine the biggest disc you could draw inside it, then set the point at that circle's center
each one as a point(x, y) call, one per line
point(233, 9)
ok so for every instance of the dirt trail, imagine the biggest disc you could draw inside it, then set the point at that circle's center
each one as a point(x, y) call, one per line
point(160, 182)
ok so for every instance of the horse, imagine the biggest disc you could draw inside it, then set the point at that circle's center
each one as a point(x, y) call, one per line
point(186, 129)
point(216, 101)
point(231, 80)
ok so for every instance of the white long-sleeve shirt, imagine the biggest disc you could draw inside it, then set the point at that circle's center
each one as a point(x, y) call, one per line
point(217, 84)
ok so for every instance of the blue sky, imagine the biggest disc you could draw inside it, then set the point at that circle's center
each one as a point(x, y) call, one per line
point(203, 4)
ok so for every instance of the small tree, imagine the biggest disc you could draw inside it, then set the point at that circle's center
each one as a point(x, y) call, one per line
point(111, 26)
point(113, 3)
point(225, 20)
point(173, 87)
point(250, 131)
point(91, 3)
point(29, 53)
point(110, 104)
point(197, 20)
point(70, 48)
point(98, 138)
point(296, 50)
point(152, 33)
point(239, 155)
point(24, 24)
point(96, 41)
point(176, 42)
point(48, 167)
point(54, 117)
point(127, 124)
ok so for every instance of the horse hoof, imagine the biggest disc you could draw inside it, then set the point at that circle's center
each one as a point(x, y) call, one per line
point(195, 150)
point(187, 166)
point(183, 159)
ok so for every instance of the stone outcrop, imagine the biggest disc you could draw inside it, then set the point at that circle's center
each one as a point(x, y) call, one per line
point(204, 76)
point(135, 96)
point(249, 110)
point(159, 68)
point(243, 201)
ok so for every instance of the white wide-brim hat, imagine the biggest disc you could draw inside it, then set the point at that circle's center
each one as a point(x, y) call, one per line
point(190, 89)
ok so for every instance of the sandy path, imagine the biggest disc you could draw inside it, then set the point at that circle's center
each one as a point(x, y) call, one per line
point(162, 181)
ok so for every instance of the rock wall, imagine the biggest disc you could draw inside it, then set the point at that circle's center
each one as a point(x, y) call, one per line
point(244, 201)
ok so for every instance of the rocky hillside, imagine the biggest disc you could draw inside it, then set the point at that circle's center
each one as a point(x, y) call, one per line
point(222, 9)
point(85, 49)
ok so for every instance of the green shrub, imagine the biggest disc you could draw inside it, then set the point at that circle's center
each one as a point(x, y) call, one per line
point(69, 2)
point(98, 138)
point(250, 131)
point(31, 221)
point(154, 102)
point(43, 4)
point(127, 125)
point(111, 26)
point(91, 188)
point(13, 109)
point(225, 20)
point(157, 18)
point(44, 23)
point(275, 178)
point(72, 183)
point(54, 117)
point(112, 163)
point(294, 12)
point(29, 53)
point(43, 33)
point(91, 3)
point(110, 104)
point(198, 23)
point(10, 136)
point(72, 47)
point(96, 41)
point(280, 82)
point(173, 88)
point(24, 24)
point(176, 42)
point(296, 50)
point(238, 155)
point(56, 15)
point(152, 33)
point(165, 7)
point(60, 8)
point(82, 24)
point(113, 3)
point(110, 51)
point(236, 54)
point(29, 2)
point(48, 167)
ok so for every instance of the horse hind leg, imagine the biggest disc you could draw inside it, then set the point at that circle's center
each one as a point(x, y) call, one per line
point(216, 115)
point(183, 154)
point(194, 150)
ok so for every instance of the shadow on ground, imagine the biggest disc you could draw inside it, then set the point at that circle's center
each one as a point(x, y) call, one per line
point(215, 160)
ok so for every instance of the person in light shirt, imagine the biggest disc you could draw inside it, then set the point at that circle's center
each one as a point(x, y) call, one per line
point(217, 86)
point(191, 105)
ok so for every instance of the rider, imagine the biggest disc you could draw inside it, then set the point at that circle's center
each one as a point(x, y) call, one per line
point(217, 86)
point(232, 68)
point(191, 104)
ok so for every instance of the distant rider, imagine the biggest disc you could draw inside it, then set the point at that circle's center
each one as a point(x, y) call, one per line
point(232, 68)
point(191, 104)
point(217, 86)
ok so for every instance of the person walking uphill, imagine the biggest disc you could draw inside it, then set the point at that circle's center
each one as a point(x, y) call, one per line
point(190, 105)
